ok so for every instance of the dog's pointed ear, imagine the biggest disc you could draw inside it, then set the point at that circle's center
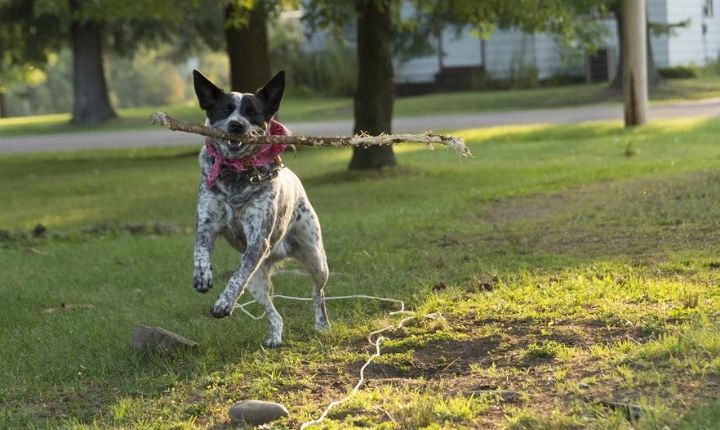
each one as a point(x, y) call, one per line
point(207, 93)
point(272, 93)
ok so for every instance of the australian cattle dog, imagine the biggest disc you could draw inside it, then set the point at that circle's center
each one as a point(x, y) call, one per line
point(258, 205)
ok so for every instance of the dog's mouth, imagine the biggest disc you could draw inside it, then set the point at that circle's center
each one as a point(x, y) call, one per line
point(234, 149)
point(232, 145)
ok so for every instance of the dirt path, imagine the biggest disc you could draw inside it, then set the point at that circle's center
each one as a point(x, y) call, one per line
point(160, 137)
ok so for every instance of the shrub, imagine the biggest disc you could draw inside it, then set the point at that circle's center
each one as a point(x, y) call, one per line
point(678, 72)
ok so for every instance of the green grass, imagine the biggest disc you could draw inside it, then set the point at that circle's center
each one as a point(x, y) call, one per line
point(321, 109)
point(565, 276)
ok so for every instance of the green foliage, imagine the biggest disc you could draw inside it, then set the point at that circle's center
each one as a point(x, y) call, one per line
point(679, 72)
point(667, 29)
point(26, 43)
point(30, 31)
point(145, 79)
point(571, 22)
point(329, 72)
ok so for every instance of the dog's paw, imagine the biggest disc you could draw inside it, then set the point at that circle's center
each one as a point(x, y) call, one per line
point(322, 326)
point(273, 342)
point(202, 278)
point(222, 308)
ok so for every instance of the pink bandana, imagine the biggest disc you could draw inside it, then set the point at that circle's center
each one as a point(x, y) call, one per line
point(264, 156)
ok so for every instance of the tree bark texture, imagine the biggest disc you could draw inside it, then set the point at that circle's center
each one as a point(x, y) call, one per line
point(375, 91)
point(654, 77)
point(247, 47)
point(91, 103)
point(3, 108)
point(635, 85)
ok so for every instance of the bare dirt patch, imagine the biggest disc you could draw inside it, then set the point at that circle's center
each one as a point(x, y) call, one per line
point(497, 365)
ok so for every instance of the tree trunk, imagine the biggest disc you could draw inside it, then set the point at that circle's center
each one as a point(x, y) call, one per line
point(3, 108)
point(91, 103)
point(654, 77)
point(635, 90)
point(375, 91)
point(247, 47)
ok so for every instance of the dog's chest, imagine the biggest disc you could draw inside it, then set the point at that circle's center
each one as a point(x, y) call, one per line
point(242, 201)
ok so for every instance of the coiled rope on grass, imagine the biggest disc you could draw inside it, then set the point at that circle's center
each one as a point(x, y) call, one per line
point(375, 343)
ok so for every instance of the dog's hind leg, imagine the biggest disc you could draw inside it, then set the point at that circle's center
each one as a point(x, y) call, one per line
point(260, 288)
point(310, 252)
point(318, 269)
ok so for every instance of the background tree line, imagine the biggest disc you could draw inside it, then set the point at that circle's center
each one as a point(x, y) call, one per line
point(33, 31)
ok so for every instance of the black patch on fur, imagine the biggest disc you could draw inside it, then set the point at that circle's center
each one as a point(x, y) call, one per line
point(207, 93)
point(254, 109)
point(272, 93)
point(221, 108)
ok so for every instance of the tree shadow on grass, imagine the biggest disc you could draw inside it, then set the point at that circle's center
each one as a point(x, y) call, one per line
point(637, 218)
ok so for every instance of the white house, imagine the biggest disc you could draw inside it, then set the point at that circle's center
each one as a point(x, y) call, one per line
point(510, 53)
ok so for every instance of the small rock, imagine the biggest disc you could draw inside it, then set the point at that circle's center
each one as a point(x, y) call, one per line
point(256, 412)
point(157, 338)
point(584, 386)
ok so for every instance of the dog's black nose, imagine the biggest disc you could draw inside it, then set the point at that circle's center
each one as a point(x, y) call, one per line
point(236, 127)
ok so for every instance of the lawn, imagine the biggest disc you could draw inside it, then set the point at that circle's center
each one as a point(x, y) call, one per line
point(567, 281)
point(322, 109)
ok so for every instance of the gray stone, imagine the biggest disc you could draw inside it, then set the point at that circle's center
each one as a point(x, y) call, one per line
point(256, 412)
point(158, 339)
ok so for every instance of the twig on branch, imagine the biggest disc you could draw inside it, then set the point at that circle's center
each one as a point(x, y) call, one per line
point(455, 143)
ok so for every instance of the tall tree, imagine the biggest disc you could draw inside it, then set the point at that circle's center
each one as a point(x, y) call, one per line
point(654, 78)
point(246, 40)
point(635, 79)
point(91, 102)
point(375, 93)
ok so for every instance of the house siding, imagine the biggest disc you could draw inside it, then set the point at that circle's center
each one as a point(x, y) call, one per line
point(658, 12)
point(689, 45)
point(712, 37)
point(686, 47)
point(461, 50)
point(513, 54)
point(509, 53)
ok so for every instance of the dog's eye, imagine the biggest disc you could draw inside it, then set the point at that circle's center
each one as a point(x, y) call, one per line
point(250, 111)
point(229, 108)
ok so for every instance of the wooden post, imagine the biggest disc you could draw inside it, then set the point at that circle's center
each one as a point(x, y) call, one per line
point(634, 48)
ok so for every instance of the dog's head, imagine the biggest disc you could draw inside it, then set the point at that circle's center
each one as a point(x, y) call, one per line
point(238, 113)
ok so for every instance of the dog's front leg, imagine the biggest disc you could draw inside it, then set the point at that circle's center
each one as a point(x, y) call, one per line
point(257, 228)
point(208, 222)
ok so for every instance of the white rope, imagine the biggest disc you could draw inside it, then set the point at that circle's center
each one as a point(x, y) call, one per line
point(375, 343)
point(309, 299)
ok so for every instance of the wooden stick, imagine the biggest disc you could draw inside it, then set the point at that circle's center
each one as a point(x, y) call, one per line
point(455, 143)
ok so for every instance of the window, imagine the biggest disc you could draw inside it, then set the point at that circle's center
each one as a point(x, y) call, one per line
point(708, 9)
